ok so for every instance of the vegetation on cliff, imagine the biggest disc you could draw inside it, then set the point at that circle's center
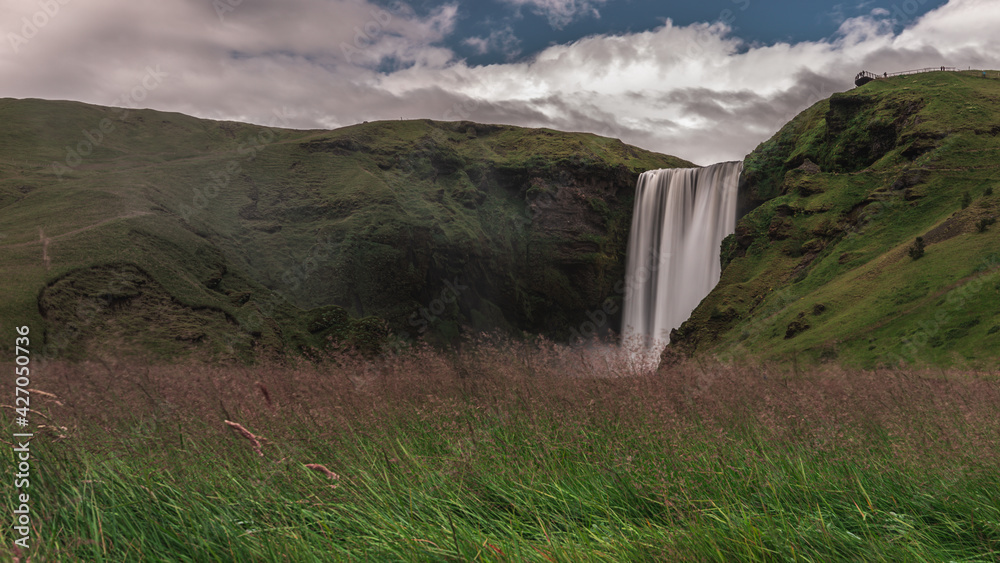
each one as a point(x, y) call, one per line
point(820, 268)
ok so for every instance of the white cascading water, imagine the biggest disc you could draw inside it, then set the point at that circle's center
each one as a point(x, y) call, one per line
point(681, 216)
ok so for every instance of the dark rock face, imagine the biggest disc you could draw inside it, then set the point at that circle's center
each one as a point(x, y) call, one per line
point(848, 133)
point(566, 254)
point(463, 225)
point(795, 328)
point(118, 308)
point(864, 128)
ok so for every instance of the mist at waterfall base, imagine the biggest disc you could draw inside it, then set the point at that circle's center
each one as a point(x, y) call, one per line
point(680, 218)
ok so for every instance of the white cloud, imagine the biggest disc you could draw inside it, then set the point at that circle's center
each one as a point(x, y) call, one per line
point(880, 12)
point(480, 44)
point(693, 91)
point(242, 66)
point(837, 13)
point(500, 40)
point(966, 28)
point(560, 13)
point(698, 92)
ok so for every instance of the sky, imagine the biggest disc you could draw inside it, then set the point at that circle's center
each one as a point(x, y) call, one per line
point(705, 80)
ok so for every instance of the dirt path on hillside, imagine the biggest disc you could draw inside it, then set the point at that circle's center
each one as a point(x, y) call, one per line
point(47, 240)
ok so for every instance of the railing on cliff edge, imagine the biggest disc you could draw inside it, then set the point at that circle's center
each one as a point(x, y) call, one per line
point(864, 77)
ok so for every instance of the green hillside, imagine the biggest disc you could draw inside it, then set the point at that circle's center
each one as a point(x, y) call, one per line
point(820, 269)
point(143, 230)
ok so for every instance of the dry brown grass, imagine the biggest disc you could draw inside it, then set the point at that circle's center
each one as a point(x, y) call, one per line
point(934, 417)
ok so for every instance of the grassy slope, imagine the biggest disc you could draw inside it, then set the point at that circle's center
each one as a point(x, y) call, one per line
point(370, 218)
point(829, 248)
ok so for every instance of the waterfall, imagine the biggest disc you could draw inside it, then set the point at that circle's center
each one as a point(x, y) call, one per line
point(680, 218)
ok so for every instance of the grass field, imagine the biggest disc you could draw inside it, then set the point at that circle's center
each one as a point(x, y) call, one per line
point(509, 451)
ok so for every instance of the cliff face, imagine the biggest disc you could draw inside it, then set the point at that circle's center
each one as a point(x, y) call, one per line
point(230, 237)
point(820, 266)
point(528, 226)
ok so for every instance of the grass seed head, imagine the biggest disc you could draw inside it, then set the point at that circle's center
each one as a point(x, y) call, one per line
point(254, 440)
point(322, 469)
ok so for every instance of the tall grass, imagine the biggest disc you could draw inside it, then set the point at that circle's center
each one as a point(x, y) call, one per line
point(512, 451)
